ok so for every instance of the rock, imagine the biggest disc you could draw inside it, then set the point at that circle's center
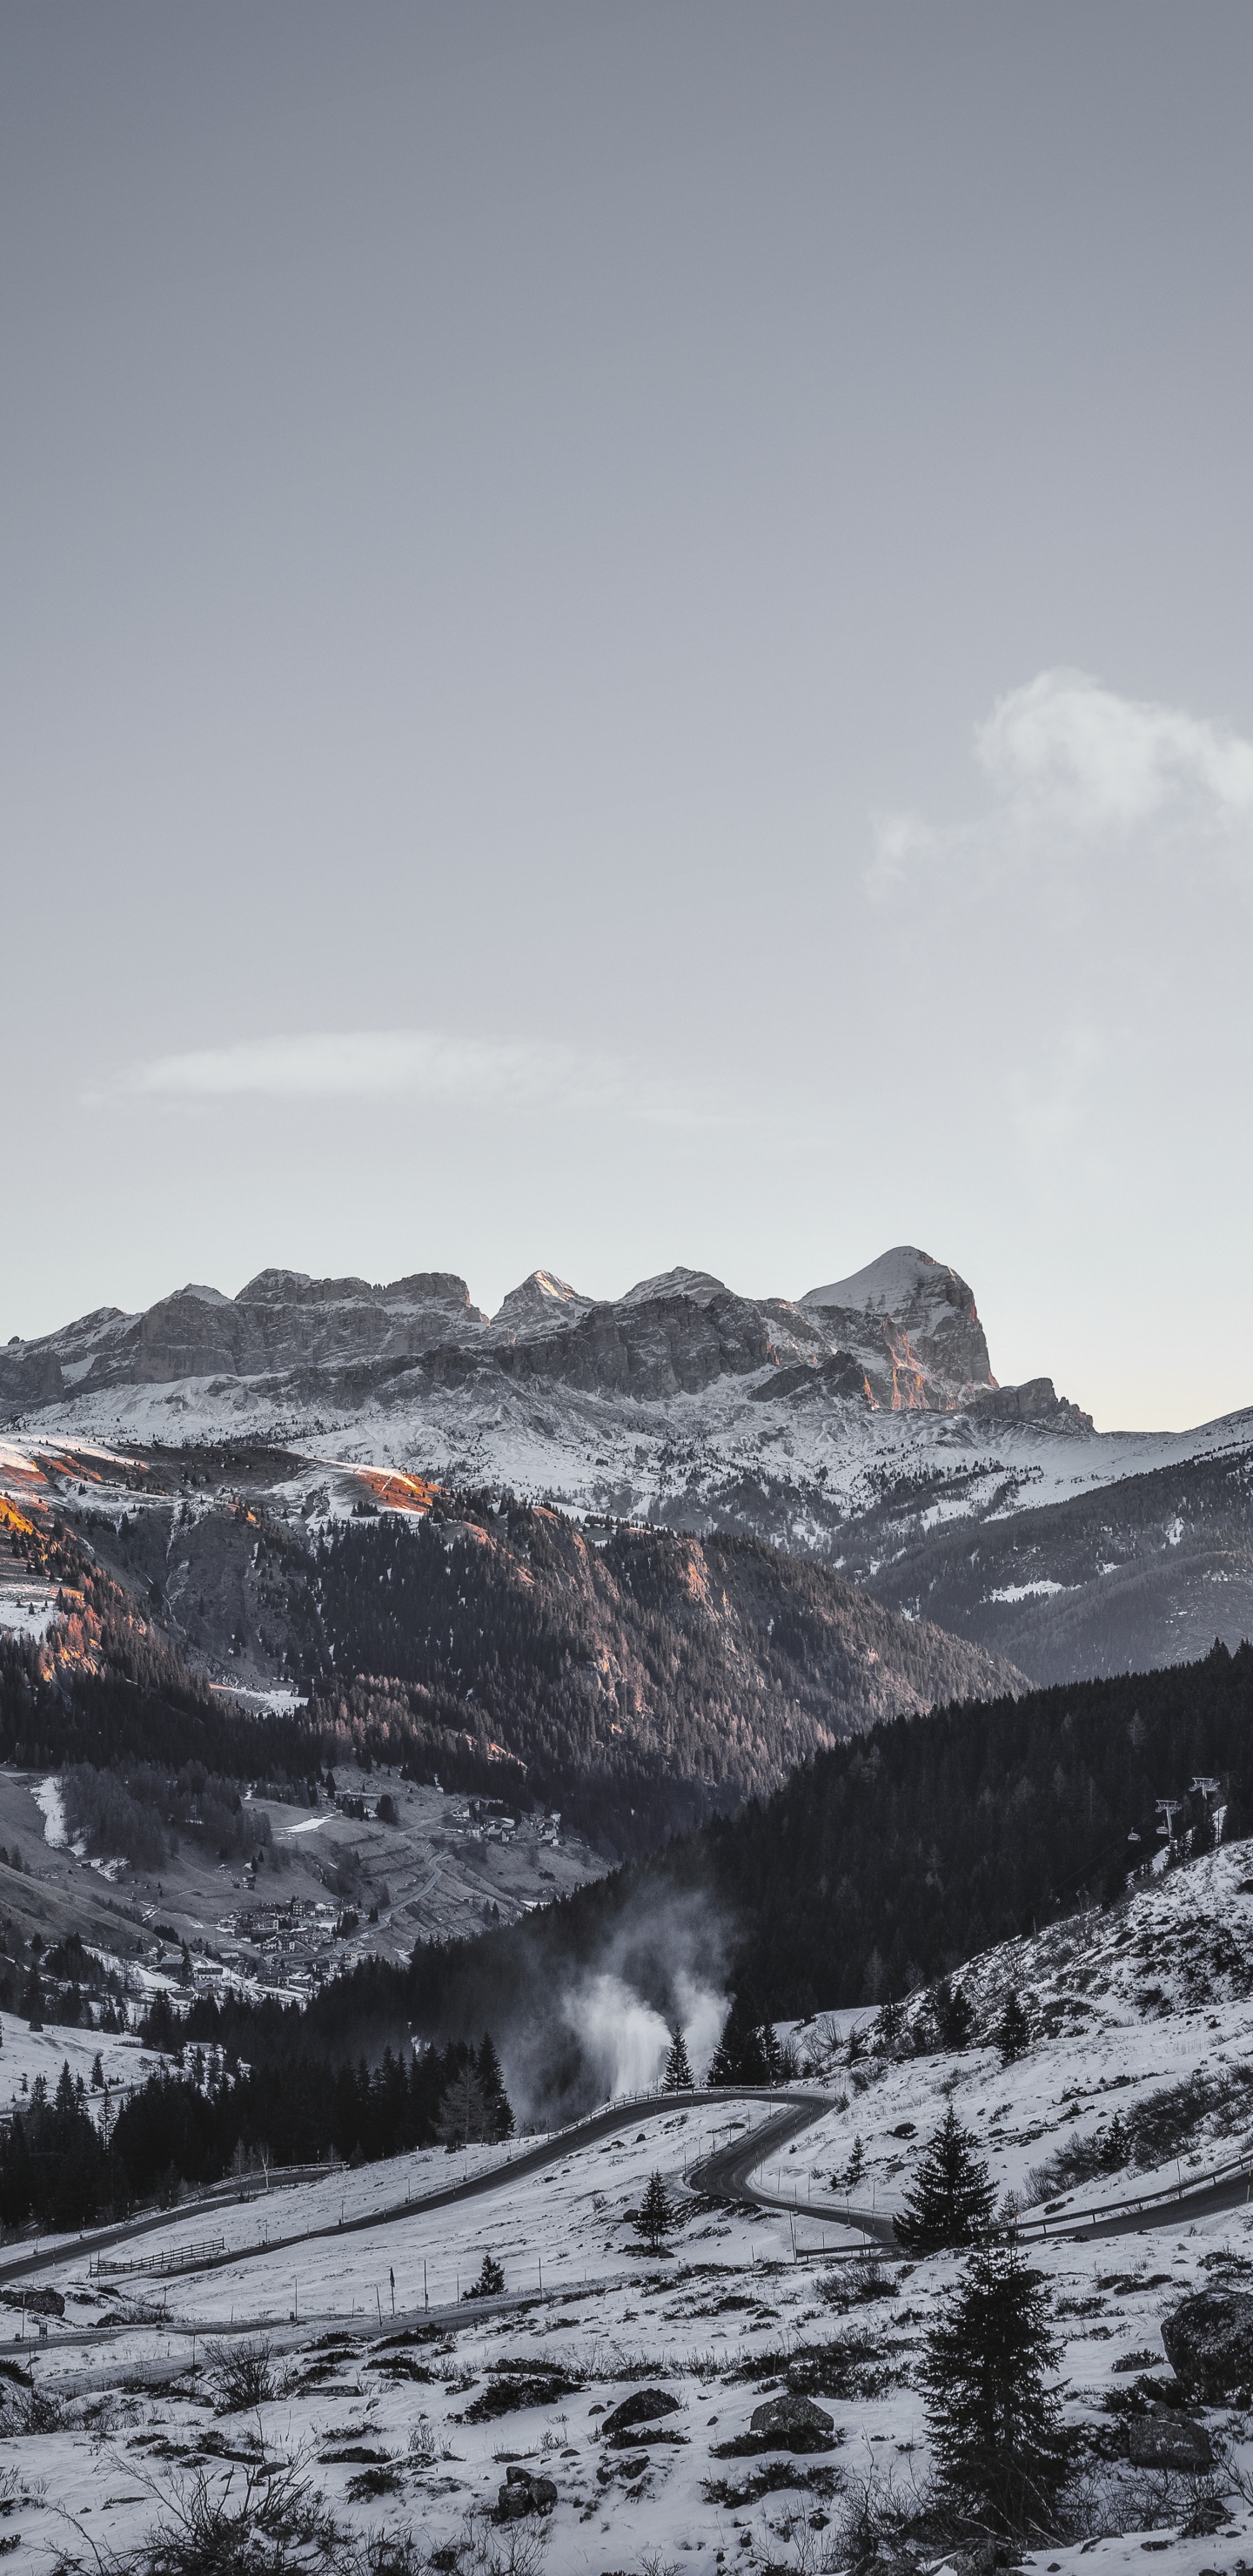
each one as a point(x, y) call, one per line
point(524, 2492)
point(642, 2408)
point(793, 2424)
point(1167, 2440)
point(1209, 2342)
point(980, 2560)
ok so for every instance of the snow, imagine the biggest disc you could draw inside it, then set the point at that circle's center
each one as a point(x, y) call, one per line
point(51, 1805)
point(1039, 1590)
point(1134, 1999)
point(699, 1285)
point(27, 1609)
point(886, 1286)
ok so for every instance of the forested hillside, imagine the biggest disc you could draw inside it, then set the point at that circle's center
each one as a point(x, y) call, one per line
point(878, 1865)
point(639, 1683)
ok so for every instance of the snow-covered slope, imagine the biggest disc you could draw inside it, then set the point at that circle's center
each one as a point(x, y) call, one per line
point(407, 2407)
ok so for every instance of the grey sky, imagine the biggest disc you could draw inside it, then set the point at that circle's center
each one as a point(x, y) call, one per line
point(543, 557)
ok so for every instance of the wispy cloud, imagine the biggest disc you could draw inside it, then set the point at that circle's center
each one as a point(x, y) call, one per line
point(1071, 764)
point(324, 1065)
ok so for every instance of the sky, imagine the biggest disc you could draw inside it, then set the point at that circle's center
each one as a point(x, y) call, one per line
point(624, 640)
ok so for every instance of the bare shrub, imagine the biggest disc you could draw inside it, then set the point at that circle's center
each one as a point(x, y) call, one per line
point(866, 2277)
point(424, 2448)
point(510, 2549)
point(36, 2410)
point(257, 2518)
point(243, 2376)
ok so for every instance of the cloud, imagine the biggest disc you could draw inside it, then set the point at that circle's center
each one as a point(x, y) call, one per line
point(413, 1064)
point(1065, 744)
point(1072, 765)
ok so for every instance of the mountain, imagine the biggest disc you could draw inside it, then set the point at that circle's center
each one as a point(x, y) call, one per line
point(887, 1861)
point(903, 1334)
point(637, 1683)
point(859, 1423)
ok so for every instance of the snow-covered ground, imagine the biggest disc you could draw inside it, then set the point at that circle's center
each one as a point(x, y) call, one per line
point(406, 2418)
point(596, 1452)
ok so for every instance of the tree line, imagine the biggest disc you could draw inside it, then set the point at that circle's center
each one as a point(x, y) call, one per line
point(200, 2119)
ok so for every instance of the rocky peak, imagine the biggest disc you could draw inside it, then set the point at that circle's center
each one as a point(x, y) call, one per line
point(700, 1286)
point(917, 1317)
point(542, 1304)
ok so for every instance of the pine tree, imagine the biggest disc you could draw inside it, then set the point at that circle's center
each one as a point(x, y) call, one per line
point(656, 2215)
point(678, 2073)
point(887, 2029)
point(499, 2106)
point(462, 2118)
point(992, 2419)
point(951, 2199)
point(33, 2001)
point(954, 2020)
point(1013, 2031)
point(739, 2057)
point(490, 2283)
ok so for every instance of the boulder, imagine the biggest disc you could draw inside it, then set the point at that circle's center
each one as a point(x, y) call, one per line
point(1167, 2440)
point(1209, 2342)
point(643, 2407)
point(524, 2492)
point(793, 2424)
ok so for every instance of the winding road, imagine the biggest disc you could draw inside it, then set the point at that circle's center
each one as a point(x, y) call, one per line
point(725, 2175)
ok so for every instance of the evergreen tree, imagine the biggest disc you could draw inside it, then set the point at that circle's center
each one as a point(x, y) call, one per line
point(33, 2001)
point(499, 2107)
point(887, 2029)
point(992, 2419)
point(462, 2118)
point(854, 2169)
point(1013, 2030)
point(490, 2283)
point(951, 2198)
point(678, 2073)
point(739, 2057)
point(954, 2020)
point(656, 2216)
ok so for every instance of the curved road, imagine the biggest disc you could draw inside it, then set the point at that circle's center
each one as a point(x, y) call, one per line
point(804, 2108)
point(724, 2175)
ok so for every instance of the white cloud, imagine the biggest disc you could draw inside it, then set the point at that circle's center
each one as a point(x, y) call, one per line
point(413, 1064)
point(1071, 764)
point(1077, 750)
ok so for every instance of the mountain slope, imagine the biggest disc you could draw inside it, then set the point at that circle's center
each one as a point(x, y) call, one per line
point(638, 1681)
point(859, 1424)
point(1148, 1574)
point(885, 1862)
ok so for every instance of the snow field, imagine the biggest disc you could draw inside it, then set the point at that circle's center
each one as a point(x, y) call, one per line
point(1121, 2005)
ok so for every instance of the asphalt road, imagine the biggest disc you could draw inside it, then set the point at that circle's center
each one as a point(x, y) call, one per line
point(617, 2116)
point(724, 2175)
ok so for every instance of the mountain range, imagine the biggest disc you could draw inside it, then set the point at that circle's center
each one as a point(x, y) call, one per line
point(859, 1423)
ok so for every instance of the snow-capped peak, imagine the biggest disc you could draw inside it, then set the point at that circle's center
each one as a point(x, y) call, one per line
point(887, 1286)
point(699, 1285)
point(541, 1302)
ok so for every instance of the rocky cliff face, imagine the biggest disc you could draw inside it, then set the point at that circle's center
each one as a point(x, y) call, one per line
point(913, 1322)
point(902, 1335)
